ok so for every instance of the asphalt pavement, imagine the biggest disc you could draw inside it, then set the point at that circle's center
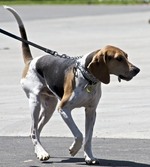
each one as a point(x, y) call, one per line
point(18, 152)
point(122, 130)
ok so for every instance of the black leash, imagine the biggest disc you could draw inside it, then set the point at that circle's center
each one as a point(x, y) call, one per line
point(54, 53)
point(27, 42)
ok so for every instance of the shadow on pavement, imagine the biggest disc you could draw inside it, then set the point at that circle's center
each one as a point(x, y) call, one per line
point(103, 162)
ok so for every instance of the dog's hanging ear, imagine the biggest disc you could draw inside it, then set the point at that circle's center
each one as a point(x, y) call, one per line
point(98, 67)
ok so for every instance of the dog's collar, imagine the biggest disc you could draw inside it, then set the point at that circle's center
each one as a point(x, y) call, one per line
point(87, 75)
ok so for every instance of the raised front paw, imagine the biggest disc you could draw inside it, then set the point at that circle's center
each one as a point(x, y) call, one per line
point(75, 147)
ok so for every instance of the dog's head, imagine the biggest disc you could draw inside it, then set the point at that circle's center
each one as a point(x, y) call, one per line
point(111, 60)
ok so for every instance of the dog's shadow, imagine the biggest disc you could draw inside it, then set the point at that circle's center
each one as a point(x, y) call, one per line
point(103, 162)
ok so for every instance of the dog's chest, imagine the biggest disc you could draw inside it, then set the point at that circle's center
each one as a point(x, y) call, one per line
point(84, 95)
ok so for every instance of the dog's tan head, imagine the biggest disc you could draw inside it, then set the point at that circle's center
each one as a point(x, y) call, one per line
point(111, 60)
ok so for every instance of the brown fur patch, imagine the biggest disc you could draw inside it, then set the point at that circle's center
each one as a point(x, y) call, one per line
point(25, 70)
point(69, 85)
point(27, 56)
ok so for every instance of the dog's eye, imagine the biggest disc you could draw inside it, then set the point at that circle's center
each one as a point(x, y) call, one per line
point(108, 57)
point(119, 58)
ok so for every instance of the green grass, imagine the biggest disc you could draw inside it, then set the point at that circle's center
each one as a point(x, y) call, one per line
point(19, 2)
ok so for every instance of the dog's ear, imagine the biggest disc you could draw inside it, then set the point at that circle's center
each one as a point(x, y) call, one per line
point(98, 67)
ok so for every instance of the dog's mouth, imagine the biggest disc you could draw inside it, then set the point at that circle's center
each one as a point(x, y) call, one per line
point(132, 73)
point(120, 77)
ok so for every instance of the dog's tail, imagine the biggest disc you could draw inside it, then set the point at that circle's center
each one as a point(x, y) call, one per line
point(27, 56)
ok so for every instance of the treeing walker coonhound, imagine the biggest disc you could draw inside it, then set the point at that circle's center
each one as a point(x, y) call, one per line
point(75, 83)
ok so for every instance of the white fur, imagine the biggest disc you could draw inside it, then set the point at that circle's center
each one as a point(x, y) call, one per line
point(43, 106)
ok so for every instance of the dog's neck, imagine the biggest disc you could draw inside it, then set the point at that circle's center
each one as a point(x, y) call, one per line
point(82, 66)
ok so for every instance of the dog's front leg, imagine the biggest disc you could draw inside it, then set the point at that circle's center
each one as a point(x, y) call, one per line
point(67, 117)
point(90, 114)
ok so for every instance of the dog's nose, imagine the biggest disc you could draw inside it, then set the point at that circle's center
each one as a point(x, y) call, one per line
point(136, 70)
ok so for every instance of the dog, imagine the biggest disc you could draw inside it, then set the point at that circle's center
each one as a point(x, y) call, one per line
point(74, 82)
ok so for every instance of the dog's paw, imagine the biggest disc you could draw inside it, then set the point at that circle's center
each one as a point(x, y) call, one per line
point(43, 157)
point(92, 161)
point(75, 147)
point(41, 154)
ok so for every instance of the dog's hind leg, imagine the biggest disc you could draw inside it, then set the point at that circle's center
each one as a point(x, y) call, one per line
point(47, 109)
point(35, 106)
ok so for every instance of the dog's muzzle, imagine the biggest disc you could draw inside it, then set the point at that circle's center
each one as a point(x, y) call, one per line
point(134, 72)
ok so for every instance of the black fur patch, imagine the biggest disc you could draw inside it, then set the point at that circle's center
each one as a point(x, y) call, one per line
point(53, 70)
